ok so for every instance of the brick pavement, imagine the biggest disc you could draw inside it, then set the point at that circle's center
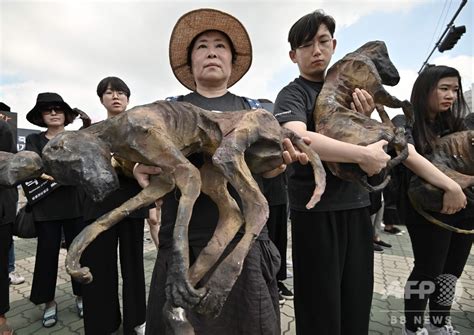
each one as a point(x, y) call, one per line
point(391, 271)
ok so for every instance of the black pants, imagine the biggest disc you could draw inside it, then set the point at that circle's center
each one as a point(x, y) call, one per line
point(333, 271)
point(278, 231)
point(5, 242)
point(251, 307)
point(440, 256)
point(45, 275)
point(101, 298)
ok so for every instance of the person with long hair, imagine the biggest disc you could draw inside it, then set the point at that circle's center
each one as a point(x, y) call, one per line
point(440, 255)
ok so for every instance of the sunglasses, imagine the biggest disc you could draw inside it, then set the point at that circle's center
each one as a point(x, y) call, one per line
point(50, 109)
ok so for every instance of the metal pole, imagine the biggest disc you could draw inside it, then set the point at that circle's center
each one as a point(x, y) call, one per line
point(463, 3)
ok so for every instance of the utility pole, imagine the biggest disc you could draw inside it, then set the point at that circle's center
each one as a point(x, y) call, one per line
point(454, 34)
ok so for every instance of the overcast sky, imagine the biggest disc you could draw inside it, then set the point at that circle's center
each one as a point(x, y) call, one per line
point(69, 46)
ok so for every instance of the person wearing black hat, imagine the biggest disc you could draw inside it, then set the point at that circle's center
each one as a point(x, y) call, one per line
point(58, 210)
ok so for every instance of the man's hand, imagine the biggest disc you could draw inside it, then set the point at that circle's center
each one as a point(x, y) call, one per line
point(290, 155)
point(142, 173)
point(362, 102)
point(375, 158)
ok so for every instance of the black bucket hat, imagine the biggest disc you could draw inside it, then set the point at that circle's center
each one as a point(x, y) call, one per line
point(45, 100)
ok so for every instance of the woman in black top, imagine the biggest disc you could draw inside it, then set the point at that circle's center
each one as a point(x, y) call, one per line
point(440, 255)
point(57, 210)
point(101, 297)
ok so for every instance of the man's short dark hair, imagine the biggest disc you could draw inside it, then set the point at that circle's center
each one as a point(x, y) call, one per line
point(305, 28)
point(115, 84)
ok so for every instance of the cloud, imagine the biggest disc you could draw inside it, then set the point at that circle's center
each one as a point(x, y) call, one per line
point(68, 47)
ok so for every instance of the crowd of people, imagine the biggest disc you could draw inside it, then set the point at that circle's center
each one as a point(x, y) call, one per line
point(332, 244)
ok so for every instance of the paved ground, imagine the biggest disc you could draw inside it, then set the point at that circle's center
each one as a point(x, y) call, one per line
point(391, 271)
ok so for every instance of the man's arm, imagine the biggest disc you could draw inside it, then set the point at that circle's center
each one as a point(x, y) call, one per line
point(372, 158)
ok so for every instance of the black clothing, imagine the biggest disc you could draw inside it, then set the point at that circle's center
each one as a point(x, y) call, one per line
point(128, 189)
point(5, 244)
point(8, 196)
point(61, 203)
point(438, 252)
point(331, 243)
point(277, 225)
point(43, 288)
point(404, 174)
point(8, 201)
point(275, 190)
point(276, 193)
point(252, 305)
point(295, 102)
point(333, 271)
point(59, 210)
point(100, 297)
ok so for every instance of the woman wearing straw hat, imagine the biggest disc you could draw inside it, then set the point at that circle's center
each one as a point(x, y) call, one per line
point(209, 52)
point(58, 210)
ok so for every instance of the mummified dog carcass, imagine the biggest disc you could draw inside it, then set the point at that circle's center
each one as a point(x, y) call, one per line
point(368, 68)
point(19, 167)
point(454, 156)
point(163, 134)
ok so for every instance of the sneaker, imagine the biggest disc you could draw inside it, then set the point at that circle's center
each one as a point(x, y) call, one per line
point(420, 331)
point(16, 279)
point(378, 248)
point(79, 307)
point(284, 291)
point(393, 231)
point(383, 244)
point(140, 330)
point(445, 330)
point(281, 300)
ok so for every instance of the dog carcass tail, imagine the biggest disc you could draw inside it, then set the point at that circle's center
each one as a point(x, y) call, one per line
point(317, 165)
point(435, 221)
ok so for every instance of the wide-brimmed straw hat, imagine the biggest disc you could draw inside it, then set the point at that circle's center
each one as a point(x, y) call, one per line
point(49, 99)
point(198, 21)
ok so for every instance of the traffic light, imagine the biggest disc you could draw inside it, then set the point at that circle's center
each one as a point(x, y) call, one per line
point(450, 40)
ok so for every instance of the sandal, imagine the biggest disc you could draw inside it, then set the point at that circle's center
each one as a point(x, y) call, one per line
point(6, 329)
point(50, 316)
point(79, 307)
